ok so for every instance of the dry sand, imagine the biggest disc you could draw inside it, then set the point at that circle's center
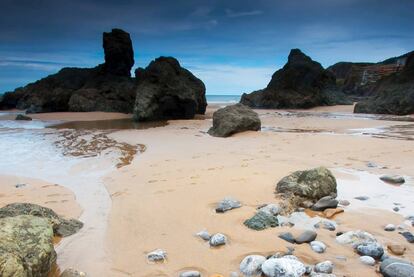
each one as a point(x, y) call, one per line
point(168, 193)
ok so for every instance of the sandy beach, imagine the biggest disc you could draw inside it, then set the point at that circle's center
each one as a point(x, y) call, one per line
point(168, 192)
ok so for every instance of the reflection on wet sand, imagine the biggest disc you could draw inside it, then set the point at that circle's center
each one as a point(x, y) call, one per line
point(112, 124)
point(85, 143)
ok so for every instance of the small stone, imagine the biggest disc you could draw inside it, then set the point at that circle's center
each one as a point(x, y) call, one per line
point(17, 186)
point(395, 209)
point(393, 267)
point(372, 249)
point(367, 260)
point(218, 239)
point(23, 117)
point(227, 204)
point(192, 273)
point(324, 267)
point(393, 179)
point(341, 258)
point(306, 236)
point(396, 249)
point(408, 236)
point(325, 203)
point(261, 221)
point(204, 235)
point(355, 238)
point(371, 164)
point(70, 272)
point(287, 237)
point(329, 213)
point(344, 202)
point(252, 265)
point(234, 274)
point(328, 225)
point(318, 246)
point(278, 267)
point(389, 227)
point(361, 198)
point(158, 255)
point(271, 209)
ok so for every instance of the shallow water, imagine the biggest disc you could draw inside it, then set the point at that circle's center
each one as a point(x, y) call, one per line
point(381, 195)
point(113, 124)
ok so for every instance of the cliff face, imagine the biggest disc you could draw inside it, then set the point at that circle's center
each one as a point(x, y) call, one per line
point(301, 83)
point(393, 94)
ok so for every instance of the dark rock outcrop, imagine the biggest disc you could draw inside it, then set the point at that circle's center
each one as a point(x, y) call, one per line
point(61, 226)
point(394, 94)
point(165, 90)
point(23, 117)
point(234, 119)
point(301, 83)
point(119, 55)
point(107, 87)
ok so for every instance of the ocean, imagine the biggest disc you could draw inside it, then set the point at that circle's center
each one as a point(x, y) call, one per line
point(215, 98)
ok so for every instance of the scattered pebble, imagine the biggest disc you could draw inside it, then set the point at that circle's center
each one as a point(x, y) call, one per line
point(361, 198)
point(204, 235)
point(218, 239)
point(318, 246)
point(344, 202)
point(271, 209)
point(372, 249)
point(325, 203)
point(393, 179)
point(326, 224)
point(367, 260)
point(371, 164)
point(329, 213)
point(396, 249)
point(395, 209)
point(252, 265)
point(287, 237)
point(289, 267)
point(389, 228)
point(324, 267)
point(306, 236)
point(17, 186)
point(408, 236)
point(192, 273)
point(227, 204)
point(355, 238)
point(158, 255)
point(393, 267)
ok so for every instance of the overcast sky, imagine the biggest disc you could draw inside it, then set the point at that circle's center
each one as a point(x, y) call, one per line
point(233, 46)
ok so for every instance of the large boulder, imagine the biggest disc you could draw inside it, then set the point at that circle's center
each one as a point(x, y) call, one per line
point(61, 226)
point(107, 87)
point(234, 119)
point(310, 184)
point(119, 55)
point(165, 90)
point(26, 246)
point(301, 83)
point(394, 94)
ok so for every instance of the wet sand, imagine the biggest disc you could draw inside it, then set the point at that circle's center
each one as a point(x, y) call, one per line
point(167, 193)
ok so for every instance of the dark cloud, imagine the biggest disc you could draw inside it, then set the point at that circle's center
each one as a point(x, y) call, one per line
point(248, 37)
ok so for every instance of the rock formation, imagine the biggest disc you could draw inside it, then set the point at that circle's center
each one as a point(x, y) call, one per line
point(393, 94)
point(107, 87)
point(234, 119)
point(165, 90)
point(119, 55)
point(26, 246)
point(301, 83)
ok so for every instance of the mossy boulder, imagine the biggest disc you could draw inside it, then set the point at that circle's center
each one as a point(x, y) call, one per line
point(310, 184)
point(261, 221)
point(61, 227)
point(26, 246)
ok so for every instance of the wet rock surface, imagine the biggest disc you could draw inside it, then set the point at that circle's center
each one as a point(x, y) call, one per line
point(165, 90)
point(26, 246)
point(301, 83)
point(234, 119)
point(61, 226)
